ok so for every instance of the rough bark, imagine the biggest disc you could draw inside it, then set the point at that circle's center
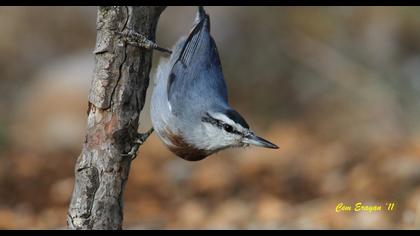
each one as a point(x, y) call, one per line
point(116, 98)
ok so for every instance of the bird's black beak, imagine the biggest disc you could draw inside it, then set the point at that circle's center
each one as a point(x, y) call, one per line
point(258, 141)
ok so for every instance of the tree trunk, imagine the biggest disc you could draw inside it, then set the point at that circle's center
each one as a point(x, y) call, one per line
point(117, 96)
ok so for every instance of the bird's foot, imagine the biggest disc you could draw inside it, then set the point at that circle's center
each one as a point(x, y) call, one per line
point(139, 40)
point(138, 141)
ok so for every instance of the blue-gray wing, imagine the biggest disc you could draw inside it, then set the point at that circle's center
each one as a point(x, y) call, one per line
point(196, 78)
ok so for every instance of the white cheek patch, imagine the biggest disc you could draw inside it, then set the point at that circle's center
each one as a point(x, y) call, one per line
point(208, 137)
point(211, 130)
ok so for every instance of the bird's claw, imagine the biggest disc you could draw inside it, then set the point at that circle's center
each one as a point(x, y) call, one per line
point(139, 40)
point(137, 142)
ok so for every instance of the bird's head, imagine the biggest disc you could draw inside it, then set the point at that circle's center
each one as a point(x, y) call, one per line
point(227, 128)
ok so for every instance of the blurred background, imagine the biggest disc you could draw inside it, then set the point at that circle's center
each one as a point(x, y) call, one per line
point(337, 88)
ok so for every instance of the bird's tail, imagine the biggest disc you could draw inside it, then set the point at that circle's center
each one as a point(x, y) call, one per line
point(201, 13)
point(199, 34)
point(202, 16)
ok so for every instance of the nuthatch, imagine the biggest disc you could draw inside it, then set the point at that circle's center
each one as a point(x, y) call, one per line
point(189, 105)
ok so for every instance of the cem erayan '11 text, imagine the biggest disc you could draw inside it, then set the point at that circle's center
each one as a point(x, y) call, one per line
point(360, 207)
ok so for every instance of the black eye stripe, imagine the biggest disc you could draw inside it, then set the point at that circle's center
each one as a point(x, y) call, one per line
point(236, 132)
point(220, 124)
point(210, 120)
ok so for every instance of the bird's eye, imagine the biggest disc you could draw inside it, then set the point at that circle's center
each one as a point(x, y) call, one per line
point(228, 128)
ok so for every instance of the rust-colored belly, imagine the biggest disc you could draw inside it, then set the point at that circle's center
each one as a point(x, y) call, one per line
point(184, 150)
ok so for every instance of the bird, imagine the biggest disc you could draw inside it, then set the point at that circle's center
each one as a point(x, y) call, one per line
point(189, 106)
